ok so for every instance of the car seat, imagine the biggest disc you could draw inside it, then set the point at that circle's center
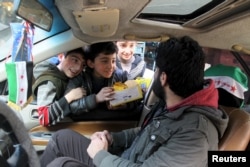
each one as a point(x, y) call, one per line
point(231, 83)
point(237, 134)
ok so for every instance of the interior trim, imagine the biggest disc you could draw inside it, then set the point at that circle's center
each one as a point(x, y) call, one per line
point(84, 128)
point(240, 48)
point(160, 38)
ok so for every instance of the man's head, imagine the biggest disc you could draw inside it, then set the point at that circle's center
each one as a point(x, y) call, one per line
point(72, 62)
point(126, 49)
point(101, 58)
point(180, 63)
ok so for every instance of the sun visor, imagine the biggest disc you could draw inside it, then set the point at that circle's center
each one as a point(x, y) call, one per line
point(98, 22)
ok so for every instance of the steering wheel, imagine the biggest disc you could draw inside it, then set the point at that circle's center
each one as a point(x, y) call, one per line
point(24, 154)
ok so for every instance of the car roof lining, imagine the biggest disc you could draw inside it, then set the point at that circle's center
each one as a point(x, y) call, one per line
point(130, 25)
point(66, 8)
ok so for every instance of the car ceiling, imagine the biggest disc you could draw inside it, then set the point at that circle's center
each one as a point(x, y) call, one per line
point(222, 35)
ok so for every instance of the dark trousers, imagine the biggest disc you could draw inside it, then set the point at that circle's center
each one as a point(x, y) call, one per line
point(67, 149)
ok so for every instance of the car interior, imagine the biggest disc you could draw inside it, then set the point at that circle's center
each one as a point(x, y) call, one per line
point(220, 27)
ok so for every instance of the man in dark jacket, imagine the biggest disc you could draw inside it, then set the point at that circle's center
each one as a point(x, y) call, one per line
point(178, 133)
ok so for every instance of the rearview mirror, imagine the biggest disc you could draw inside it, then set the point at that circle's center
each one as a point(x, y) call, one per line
point(35, 13)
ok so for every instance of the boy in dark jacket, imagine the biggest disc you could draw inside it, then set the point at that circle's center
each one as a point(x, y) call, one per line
point(178, 133)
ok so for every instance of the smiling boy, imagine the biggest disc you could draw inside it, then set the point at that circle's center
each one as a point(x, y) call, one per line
point(50, 85)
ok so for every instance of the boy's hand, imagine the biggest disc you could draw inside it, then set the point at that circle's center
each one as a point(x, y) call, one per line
point(75, 94)
point(105, 94)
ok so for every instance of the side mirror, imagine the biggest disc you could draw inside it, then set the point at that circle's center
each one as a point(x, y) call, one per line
point(35, 13)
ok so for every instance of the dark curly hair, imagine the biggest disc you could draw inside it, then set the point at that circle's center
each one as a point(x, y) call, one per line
point(77, 51)
point(183, 61)
point(92, 51)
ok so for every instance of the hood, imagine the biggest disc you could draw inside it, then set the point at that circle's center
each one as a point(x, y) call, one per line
point(137, 60)
point(217, 116)
point(208, 96)
point(205, 102)
point(43, 66)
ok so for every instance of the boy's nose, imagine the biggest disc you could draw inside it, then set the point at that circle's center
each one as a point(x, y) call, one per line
point(77, 67)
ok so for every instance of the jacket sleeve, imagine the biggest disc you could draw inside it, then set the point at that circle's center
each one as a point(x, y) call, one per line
point(50, 110)
point(84, 104)
point(124, 138)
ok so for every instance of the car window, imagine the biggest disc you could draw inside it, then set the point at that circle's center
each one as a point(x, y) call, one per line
point(226, 57)
point(213, 57)
point(150, 53)
point(219, 56)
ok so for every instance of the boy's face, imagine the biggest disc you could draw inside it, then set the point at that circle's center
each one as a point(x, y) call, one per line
point(72, 64)
point(103, 65)
point(126, 49)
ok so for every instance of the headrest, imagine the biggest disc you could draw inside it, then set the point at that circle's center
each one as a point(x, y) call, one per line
point(231, 81)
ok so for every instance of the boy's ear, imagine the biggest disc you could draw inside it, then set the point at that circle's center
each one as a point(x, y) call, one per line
point(90, 64)
point(163, 78)
point(60, 56)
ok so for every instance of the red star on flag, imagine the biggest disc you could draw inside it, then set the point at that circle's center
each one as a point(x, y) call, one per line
point(218, 82)
point(21, 76)
point(233, 88)
point(21, 89)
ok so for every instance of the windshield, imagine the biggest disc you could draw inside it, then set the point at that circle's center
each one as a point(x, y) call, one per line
point(8, 16)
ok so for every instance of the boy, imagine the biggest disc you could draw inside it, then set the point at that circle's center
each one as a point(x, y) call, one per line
point(128, 61)
point(50, 85)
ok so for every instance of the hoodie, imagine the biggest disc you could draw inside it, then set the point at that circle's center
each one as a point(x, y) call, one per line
point(48, 89)
point(205, 97)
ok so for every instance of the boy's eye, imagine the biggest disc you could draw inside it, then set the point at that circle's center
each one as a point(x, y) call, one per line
point(74, 59)
point(123, 45)
point(104, 61)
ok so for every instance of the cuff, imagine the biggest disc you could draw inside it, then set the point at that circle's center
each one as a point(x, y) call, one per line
point(100, 156)
point(91, 102)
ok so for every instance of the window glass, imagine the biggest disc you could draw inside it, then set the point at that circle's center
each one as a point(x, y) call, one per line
point(176, 7)
point(213, 57)
point(8, 16)
point(177, 11)
point(218, 56)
